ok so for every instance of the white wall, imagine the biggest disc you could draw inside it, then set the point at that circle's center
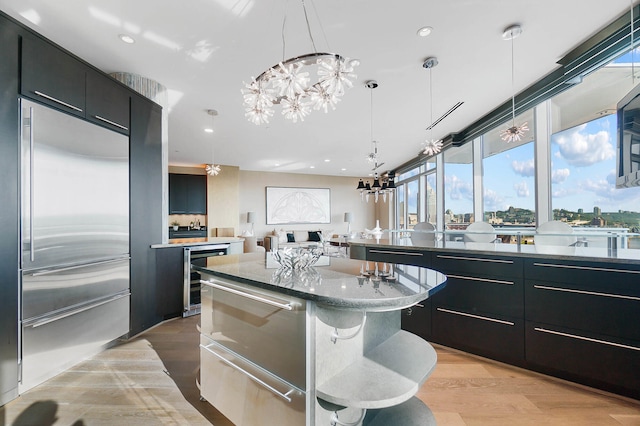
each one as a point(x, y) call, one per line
point(344, 198)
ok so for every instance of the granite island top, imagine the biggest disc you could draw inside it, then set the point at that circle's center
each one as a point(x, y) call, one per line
point(336, 282)
point(596, 254)
point(209, 240)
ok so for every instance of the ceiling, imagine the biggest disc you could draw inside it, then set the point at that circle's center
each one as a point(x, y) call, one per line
point(203, 50)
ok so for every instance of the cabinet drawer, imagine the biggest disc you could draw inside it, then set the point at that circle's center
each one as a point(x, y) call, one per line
point(256, 325)
point(417, 319)
point(107, 102)
point(598, 361)
point(495, 337)
point(52, 77)
point(246, 394)
point(611, 313)
point(407, 257)
point(478, 265)
point(494, 296)
point(598, 276)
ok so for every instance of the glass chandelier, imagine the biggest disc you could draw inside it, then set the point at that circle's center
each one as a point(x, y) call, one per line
point(289, 84)
point(381, 186)
point(513, 133)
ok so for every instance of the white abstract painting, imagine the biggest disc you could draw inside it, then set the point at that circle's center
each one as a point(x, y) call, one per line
point(298, 205)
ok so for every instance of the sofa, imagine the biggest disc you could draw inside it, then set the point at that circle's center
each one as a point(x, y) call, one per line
point(281, 239)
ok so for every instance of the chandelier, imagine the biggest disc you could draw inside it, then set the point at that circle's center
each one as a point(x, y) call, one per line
point(382, 185)
point(513, 133)
point(212, 169)
point(432, 146)
point(290, 85)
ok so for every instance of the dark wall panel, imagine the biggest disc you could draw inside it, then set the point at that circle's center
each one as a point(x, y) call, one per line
point(146, 210)
point(9, 159)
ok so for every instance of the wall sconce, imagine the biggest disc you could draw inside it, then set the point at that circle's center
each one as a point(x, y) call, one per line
point(251, 218)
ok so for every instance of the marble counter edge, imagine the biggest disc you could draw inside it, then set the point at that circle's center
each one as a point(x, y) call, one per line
point(369, 305)
point(211, 240)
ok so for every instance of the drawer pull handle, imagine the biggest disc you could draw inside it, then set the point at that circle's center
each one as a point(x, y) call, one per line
point(585, 268)
point(58, 101)
point(464, 314)
point(475, 259)
point(588, 339)
point(335, 336)
point(591, 293)
point(113, 123)
point(487, 280)
point(284, 396)
point(408, 253)
point(281, 305)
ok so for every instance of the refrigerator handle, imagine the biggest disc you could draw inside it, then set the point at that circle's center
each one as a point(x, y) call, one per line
point(32, 254)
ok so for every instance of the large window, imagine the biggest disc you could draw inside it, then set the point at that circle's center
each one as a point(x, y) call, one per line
point(508, 177)
point(458, 184)
point(583, 152)
point(416, 196)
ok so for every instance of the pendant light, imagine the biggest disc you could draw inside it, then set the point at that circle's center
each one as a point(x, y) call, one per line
point(212, 169)
point(432, 146)
point(513, 133)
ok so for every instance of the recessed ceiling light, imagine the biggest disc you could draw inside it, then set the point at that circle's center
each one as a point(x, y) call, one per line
point(327, 160)
point(126, 38)
point(424, 31)
point(343, 169)
point(277, 164)
point(208, 130)
point(312, 167)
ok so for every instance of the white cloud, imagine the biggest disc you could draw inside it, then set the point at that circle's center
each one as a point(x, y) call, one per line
point(457, 188)
point(493, 201)
point(560, 175)
point(583, 150)
point(522, 189)
point(524, 168)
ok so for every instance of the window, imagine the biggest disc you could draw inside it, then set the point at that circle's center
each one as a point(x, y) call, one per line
point(458, 184)
point(508, 176)
point(583, 153)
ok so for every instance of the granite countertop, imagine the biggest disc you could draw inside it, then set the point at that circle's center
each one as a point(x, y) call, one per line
point(596, 254)
point(335, 282)
point(209, 240)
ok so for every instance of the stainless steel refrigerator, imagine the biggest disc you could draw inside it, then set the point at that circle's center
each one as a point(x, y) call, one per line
point(75, 241)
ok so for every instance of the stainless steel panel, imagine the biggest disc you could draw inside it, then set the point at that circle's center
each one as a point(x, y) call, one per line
point(54, 346)
point(75, 189)
point(48, 291)
point(246, 394)
point(271, 336)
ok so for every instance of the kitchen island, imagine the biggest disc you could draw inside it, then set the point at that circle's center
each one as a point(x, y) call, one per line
point(317, 346)
point(570, 312)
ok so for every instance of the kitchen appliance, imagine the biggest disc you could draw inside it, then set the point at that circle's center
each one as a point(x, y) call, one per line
point(75, 241)
point(197, 254)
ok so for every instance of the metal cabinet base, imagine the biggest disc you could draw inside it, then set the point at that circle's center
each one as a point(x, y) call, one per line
point(52, 347)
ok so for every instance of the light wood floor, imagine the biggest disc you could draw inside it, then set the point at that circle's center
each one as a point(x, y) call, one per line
point(150, 380)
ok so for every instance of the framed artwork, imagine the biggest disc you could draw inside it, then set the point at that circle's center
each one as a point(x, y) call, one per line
point(298, 205)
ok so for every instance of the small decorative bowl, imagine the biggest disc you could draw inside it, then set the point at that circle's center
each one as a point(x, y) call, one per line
point(297, 258)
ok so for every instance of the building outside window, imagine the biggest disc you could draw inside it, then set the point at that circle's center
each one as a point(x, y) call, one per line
point(458, 186)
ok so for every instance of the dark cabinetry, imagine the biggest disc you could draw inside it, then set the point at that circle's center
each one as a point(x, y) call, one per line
point(187, 194)
point(55, 78)
point(481, 309)
point(107, 102)
point(51, 76)
point(170, 279)
point(581, 322)
point(576, 319)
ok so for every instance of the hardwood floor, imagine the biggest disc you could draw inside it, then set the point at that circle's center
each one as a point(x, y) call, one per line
point(151, 380)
